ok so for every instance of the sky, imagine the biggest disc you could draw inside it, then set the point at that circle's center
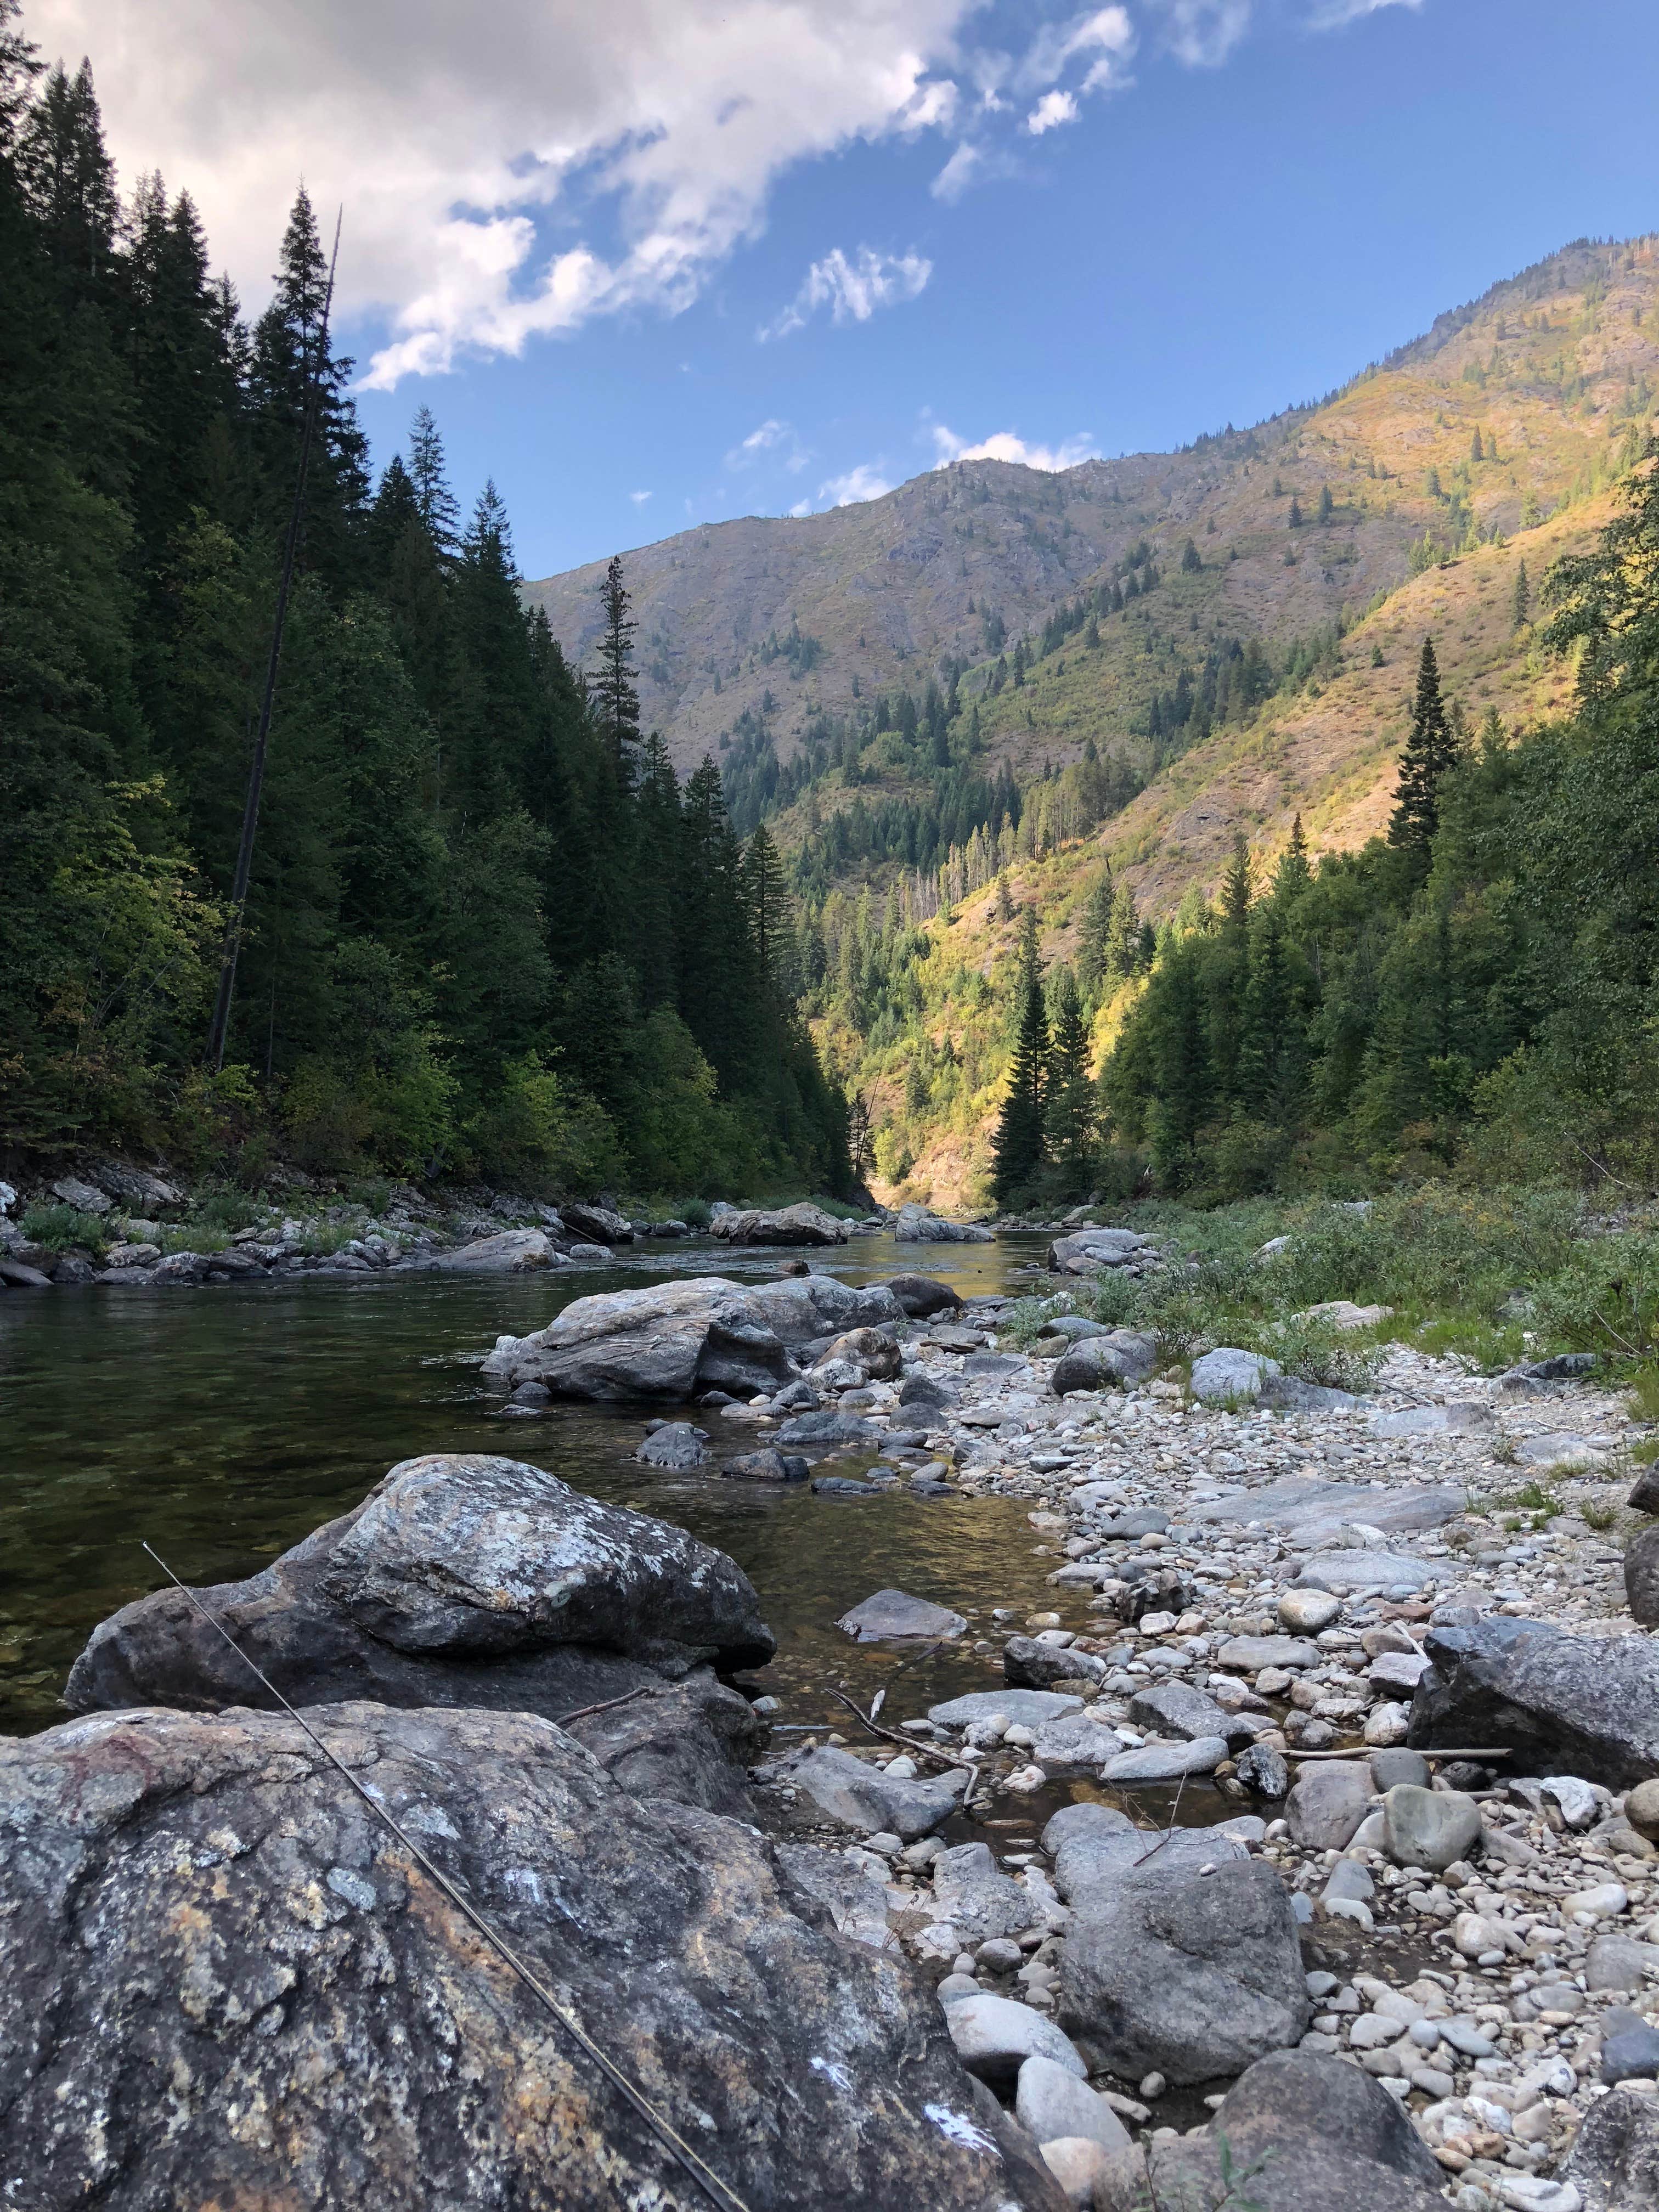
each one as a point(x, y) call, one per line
point(657, 263)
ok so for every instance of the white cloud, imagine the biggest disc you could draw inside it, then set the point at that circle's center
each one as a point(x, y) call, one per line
point(509, 171)
point(862, 483)
point(639, 498)
point(852, 287)
point(1332, 14)
point(1050, 112)
point(1105, 36)
point(775, 438)
point(1203, 33)
point(1006, 445)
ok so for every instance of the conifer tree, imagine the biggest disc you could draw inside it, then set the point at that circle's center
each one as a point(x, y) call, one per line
point(1269, 1053)
point(1236, 885)
point(1327, 505)
point(1070, 1111)
point(1520, 605)
point(437, 505)
point(1017, 1149)
point(1123, 947)
point(1293, 874)
point(1430, 750)
point(1295, 512)
point(771, 910)
point(615, 701)
point(1095, 935)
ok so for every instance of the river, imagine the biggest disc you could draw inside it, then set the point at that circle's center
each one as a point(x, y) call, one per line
point(222, 1424)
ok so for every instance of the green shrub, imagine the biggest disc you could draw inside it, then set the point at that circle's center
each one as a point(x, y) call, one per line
point(696, 1213)
point(62, 1229)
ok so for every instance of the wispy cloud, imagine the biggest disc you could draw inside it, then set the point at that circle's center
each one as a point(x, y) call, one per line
point(1332, 14)
point(1093, 49)
point(639, 498)
point(862, 483)
point(1203, 33)
point(1008, 445)
point(852, 287)
point(774, 439)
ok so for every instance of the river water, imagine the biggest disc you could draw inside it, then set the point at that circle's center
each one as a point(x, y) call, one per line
point(222, 1424)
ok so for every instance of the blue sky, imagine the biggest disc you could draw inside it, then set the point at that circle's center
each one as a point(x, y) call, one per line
point(693, 259)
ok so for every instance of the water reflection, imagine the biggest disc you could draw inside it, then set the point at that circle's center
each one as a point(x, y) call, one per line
point(222, 1425)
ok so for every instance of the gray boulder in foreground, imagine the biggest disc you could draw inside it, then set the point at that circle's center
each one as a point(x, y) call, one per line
point(803, 1224)
point(222, 1969)
point(668, 1340)
point(1189, 1975)
point(892, 1613)
point(1303, 2134)
point(1575, 1704)
point(466, 1581)
point(1614, 2164)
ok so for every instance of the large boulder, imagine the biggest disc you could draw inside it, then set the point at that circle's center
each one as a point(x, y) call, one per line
point(1105, 1363)
point(1562, 1703)
point(1302, 2134)
point(596, 1225)
point(915, 1224)
point(1096, 1849)
point(468, 1582)
point(668, 1340)
point(803, 1224)
point(874, 1351)
point(1228, 1376)
point(1092, 1251)
point(921, 1296)
point(222, 1968)
point(892, 1613)
point(1614, 2164)
point(1642, 1578)
point(1303, 1505)
point(1029, 1665)
point(1187, 1974)
point(515, 1251)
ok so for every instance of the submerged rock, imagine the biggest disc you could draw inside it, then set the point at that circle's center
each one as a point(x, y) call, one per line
point(275, 1988)
point(676, 1445)
point(892, 1613)
point(464, 1581)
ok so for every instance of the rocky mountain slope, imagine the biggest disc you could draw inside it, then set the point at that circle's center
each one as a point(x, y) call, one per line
point(1505, 420)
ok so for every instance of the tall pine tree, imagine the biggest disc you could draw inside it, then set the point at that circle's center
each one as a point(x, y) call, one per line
point(1431, 750)
point(1017, 1148)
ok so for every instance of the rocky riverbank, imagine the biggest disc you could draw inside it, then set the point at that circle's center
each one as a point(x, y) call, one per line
point(1385, 1647)
point(1300, 1853)
point(127, 1229)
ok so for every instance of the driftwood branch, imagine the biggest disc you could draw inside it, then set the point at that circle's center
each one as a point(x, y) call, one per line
point(1480, 1750)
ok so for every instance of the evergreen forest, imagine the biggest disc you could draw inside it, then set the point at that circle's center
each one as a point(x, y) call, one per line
point(487, 931)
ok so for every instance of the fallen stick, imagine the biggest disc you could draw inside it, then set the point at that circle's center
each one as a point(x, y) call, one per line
point(904, 1742)
point(1482, 1751)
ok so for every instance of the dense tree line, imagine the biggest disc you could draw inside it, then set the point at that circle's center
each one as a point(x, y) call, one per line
point(487, 929)
point(1480, 986)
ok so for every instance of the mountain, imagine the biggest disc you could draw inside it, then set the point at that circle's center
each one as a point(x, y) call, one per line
point(765, 625)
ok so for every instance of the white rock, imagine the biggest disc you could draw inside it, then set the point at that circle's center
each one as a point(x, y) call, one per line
point(1305, 1612)
point(1077, 2164)
point(1605, 1901)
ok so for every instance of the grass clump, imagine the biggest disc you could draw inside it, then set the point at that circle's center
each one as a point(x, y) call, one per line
point(1594, 1515)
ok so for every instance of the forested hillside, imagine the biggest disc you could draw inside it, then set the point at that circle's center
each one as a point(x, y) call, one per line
point(488, 932)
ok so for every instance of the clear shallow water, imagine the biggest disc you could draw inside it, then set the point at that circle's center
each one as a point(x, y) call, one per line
point(221, 1425)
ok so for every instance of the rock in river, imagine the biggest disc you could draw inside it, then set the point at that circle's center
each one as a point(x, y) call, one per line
point(863, 1797)
point(1186, 1974)
point(891, 1613)
point(1577, 1704)
point(222, 1969)
point(915, 1224)
point(803, 1224)
point(668, 1340)
point(463, 1581)
point(599, 1224)
point(921, 1296)
point(515, 1251)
